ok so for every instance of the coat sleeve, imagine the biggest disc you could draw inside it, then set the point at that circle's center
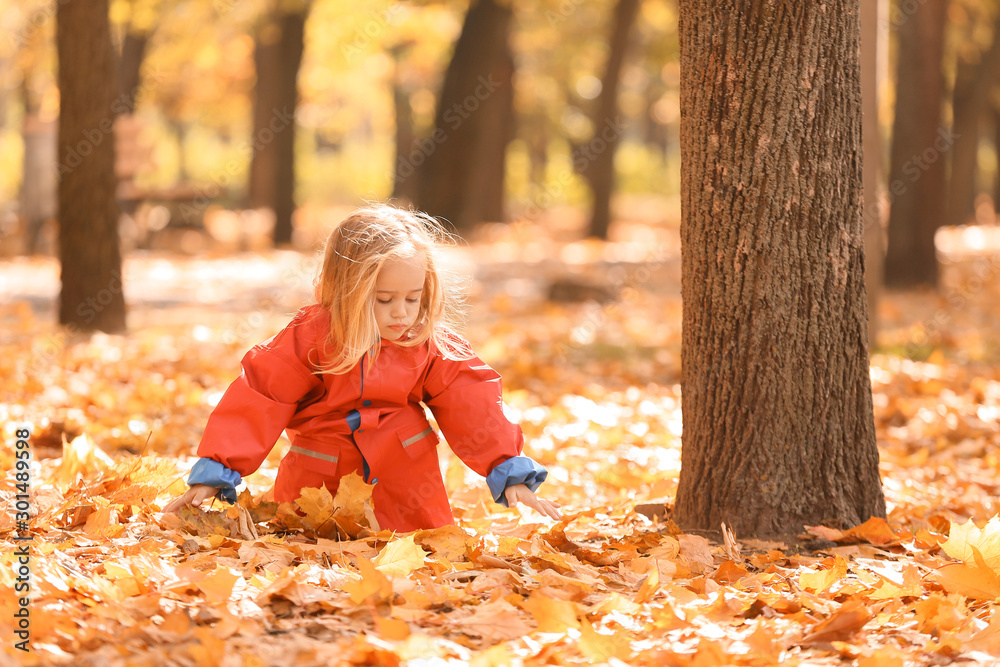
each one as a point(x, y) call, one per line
point(466, 399)
point(258, 405)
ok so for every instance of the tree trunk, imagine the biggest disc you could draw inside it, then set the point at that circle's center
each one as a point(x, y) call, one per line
point(872, 215)
point(597, 158)
point(91, 296)
point(919, 142)
point(460, 166)
point(277, 57)
point(777, 408)
point(975, 83)
point(403, 187)
point(130, 70)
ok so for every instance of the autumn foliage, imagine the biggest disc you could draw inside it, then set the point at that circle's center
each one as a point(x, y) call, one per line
point(115, 421)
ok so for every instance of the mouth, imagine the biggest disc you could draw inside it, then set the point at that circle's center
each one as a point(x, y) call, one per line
point(399, 327)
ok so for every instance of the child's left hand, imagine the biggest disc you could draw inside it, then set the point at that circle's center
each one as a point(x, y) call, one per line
point(521, 493)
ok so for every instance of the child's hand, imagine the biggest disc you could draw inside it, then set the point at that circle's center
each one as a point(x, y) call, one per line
point(193, 496)
point(520, 492)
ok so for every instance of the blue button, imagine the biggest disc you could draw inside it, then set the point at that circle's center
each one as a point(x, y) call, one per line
point(361, 430)
point(375, 481)
point(366, 403)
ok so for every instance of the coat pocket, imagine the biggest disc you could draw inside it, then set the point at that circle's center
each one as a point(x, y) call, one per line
point(316, 456)
point(418, 439)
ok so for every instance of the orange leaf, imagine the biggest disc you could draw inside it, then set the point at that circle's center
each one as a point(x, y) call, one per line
point(218, 586)
point(841, 626)
point(372, 583)
point(392, 628)
point(552, 615)
point(598, 648)
point(317, 504)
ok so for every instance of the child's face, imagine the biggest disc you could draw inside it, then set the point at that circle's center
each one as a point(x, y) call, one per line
point(398, 289)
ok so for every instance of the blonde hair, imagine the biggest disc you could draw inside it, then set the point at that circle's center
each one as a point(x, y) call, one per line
point(356, 251)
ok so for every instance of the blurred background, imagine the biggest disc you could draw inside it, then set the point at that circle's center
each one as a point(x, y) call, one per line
point(206, 96)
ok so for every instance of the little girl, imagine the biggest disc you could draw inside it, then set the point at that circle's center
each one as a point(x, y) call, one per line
point(346, 378)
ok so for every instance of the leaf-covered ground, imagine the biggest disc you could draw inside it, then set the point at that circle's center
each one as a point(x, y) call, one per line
point(587, 337)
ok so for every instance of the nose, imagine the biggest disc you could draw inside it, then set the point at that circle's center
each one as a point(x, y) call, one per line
point(399, 310)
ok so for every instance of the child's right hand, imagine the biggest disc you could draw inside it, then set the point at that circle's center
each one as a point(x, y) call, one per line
point(195, 495)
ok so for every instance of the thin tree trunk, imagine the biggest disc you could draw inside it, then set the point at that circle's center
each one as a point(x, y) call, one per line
point(975, 83)
point(277, 57)
point(872, 200)
point(472, 123)
point(130, 70)
point(403, 187)
point(599, 159)
point(91, 296)
point(919, 144)
point(777, 409)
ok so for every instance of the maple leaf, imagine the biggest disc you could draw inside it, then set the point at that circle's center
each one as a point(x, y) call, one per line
point(317, 505)
point(400, 557)
point(372, 583)
point(964, 539)
point(977, 581)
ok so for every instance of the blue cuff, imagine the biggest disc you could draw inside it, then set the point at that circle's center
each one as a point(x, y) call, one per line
point(518, 470)
point(213, 473)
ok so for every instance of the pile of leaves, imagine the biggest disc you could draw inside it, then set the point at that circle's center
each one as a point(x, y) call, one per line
point(116, 582)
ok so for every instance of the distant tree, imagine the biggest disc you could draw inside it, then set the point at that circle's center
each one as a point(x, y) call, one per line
point(280, 42)
point(919, 145)
point(91, 296)
point(873, 214)
point(778, 421)
point(596, 159)
point(461, 170)
point(976, 79)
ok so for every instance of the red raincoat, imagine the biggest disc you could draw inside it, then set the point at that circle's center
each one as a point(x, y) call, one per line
point(280, 390)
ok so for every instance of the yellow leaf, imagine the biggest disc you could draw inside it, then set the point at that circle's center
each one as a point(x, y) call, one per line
point(218, 586)
point(400, 557)
point(598, 648)
point(552, 615)
point(822, 580)
point(372, 583)
point(963, 538)
point(317, 504)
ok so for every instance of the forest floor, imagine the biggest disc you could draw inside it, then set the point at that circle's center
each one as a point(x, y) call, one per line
point(115, 421)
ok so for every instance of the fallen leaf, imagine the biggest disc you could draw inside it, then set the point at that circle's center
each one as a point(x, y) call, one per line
point(400, 557)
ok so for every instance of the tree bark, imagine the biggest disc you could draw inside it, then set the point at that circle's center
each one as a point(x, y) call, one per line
point(919, 144)
point(277, 57)
point(91, 296)
point(460, 167)
point(777, 408)
point(598, 157)
point(975, 82)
